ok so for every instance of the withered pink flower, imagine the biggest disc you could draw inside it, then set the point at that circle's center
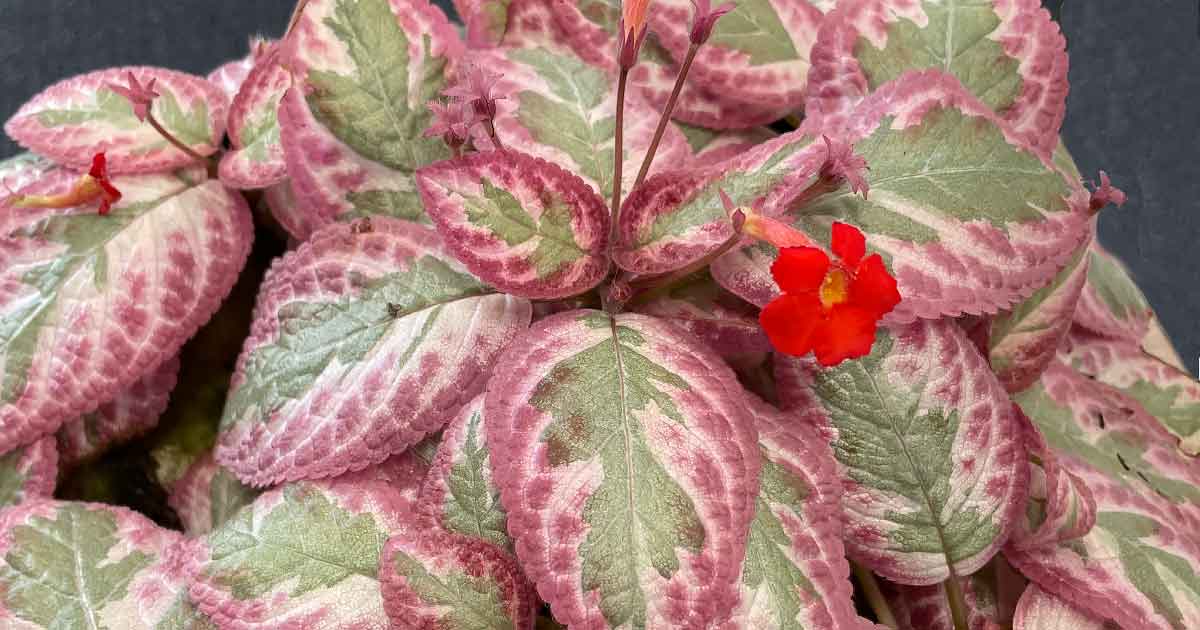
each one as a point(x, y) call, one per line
point(705, 18)
point(476, 87)
point(841, 162)
point(1106, 194)
point(138, 95)
point(451, 122)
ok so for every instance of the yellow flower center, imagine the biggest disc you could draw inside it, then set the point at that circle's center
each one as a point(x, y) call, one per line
point(835, 288)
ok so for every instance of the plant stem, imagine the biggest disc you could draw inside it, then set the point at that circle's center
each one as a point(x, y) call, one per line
point(870, 587)
point(666, 114)
point(649, 287)
point(958, 605)
point(295, 17)
point(172, 139)
point(618, 153)
point(491, 129)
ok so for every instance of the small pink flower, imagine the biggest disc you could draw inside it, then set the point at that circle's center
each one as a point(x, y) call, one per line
point(842, 163)
point(138, 95)
point(705, 18)
point(477, 88)
point(451, 122)
point(1105, 194)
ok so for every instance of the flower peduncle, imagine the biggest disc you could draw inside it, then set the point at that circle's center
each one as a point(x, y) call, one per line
point(142, 97)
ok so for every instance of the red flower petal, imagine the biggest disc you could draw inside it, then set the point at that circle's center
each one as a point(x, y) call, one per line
point(790, 320)
point(848, 243)
point(800, 269)
point(873, 288)
point(848, 333)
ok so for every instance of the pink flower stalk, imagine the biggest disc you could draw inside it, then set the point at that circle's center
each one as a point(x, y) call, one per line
point(451, 122)
point(1105, 194)
point(138, 95)
point(705, 18)
point(842, 163)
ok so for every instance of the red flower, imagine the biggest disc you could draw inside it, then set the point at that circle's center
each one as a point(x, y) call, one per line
point(138, 95)
point(829, 308)
point(99, 174)
point(91, 187)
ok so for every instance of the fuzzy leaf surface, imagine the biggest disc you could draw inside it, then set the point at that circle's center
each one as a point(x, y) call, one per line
point(133, 412)
point(256, 160)
point(625, 457)
point(85, 565)
point(1139, 564)
point(1008, 53)
point(1111, 304)
point(305, 555)
point(1039, 610)
point(795, 575)
point(1023, 340)
point(352, 128)
point(207, 496)
point(459, 493)
point(434, 580)
point(522, 224)
point(930, 451)
point(29, 471)
point(76, 118)
point(366, 339)
point(118, 294)
point(967, 218)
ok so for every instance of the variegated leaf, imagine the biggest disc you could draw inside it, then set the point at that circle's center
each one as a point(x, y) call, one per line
point(256, 160)
point(561, 109)
point(406, 473)
point(76, 118)
point(352, 130)
point(758, 53)
point(131, 413)
point(721, 320)
point(1061, 507)
point(968, 220)
point(305, 555)
point(28, 471)
point(1168, 394)
point(281, 201)
point(22, 170)
point(1111, 303)
point(711, 147)
point(520, 223)
point(676, 218)
point(86, 565)
point(486, 21)
point(795, 574)
point(207, 496)
point(1008, 53)
point(1022, 340)
point(990, 595)
point(366, 339)
point(434, 580)
point(115, 294)
point(1139, 564)
point(230, 75)
point(1039, 610)
point(458, 494)
point(654, 79)
point(625, 457)
point(932, 459)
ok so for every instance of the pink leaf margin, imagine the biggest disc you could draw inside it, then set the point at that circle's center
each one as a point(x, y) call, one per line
point(74, 145)
point(721, 474)
point(531, 181)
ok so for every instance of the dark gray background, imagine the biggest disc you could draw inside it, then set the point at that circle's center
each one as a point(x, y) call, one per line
point(1135, 77)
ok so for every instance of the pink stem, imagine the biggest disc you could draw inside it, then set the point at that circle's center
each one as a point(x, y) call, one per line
point(666, 115)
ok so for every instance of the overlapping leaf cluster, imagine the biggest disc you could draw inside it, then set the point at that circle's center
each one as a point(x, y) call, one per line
point(472, 396)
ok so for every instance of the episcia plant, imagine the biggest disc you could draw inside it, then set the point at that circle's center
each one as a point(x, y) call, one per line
point(783, 314)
